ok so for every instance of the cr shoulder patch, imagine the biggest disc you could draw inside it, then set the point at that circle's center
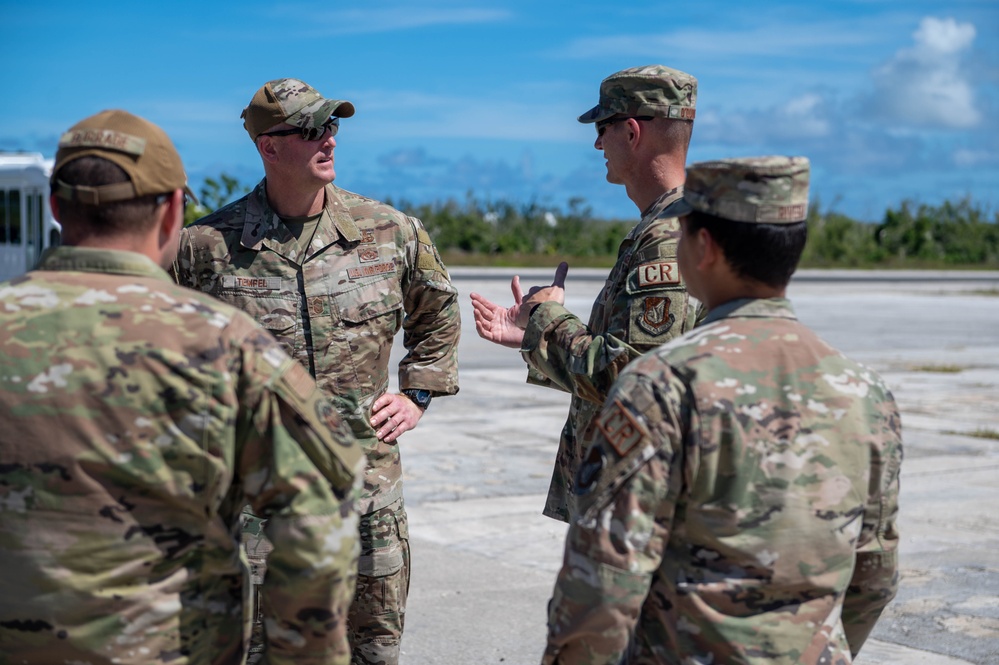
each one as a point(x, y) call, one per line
point(622, 429)
point(658, 273)
point(656, 317)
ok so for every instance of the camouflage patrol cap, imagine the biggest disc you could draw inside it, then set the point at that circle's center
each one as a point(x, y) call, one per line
point(771, 190)
point(139, 147)
point(291, 101)
point(652, 90)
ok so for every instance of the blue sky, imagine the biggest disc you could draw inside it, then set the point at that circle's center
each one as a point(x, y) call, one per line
point(891, 100)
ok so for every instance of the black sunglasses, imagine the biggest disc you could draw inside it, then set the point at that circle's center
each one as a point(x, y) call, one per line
point(309, 133)
point(602, 125)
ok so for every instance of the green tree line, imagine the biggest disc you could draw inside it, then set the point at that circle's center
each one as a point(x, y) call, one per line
point(477, 232)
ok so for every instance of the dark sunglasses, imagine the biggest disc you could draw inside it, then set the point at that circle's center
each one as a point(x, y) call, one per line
point(309, 133)
point(602, 125)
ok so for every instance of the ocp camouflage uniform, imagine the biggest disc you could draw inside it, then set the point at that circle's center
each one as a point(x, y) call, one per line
point(335, 306)
point(737, 471)
point(643, 304)
point(139, 418)
point(738, 503)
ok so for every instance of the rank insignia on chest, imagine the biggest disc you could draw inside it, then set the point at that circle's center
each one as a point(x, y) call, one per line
point(367, 255)
point(622, 429)
point(656, 318)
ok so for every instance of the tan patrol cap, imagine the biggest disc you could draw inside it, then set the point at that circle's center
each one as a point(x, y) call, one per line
point(292, 101)
point(139, 147)
point(770, 190)
point(651, 90)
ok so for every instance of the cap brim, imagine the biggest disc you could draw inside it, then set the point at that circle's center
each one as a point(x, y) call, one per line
point(190, 195)
point(329, 108)
point(596, 114)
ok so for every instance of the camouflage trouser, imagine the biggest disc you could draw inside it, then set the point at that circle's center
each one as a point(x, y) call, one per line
point(378, 612)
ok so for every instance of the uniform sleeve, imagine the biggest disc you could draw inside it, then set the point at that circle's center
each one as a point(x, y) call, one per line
point(183, 268)
point(301, 471)
point(629, 485)
point(875, 575)
point(432, 325)
point(648, 308)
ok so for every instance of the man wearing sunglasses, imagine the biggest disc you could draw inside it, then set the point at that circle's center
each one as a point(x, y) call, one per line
point(334, 276)
point(644, 120)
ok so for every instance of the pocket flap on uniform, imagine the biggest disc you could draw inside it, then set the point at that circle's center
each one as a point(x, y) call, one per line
point(369, 301)
point(381, 562)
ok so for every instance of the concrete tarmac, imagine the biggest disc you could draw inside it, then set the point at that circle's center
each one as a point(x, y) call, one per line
point(477, 471)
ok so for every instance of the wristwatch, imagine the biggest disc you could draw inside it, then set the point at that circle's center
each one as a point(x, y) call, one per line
point(421, 398)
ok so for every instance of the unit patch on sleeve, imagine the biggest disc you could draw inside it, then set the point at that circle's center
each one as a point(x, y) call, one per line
point(622, 429)
point(656, 317)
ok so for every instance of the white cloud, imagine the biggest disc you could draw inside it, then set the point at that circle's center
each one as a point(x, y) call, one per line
point(963, 157)
point(926, 86)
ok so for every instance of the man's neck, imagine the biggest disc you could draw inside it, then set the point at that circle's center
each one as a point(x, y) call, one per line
point(652, 182)
point(289, 201)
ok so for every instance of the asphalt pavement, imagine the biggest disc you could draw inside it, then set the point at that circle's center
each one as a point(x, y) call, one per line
point(477, 471)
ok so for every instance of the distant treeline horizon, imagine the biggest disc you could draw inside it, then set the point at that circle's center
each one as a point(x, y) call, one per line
point(952, 234)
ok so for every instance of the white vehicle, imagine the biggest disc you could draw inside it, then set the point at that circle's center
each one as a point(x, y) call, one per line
point(26, 223)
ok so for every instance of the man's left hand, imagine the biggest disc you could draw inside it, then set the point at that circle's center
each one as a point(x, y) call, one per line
point(392, 414)
point(540, 294)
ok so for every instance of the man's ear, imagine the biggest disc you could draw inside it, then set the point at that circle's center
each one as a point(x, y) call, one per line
point(709, 252)
point(54, 206)
point(171, 219)
point(267, 149)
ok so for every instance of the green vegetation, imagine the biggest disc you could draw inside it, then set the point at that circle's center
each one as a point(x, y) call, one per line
point(213, 195)
point(980, 433)
point(939, 369)
point(498, 233)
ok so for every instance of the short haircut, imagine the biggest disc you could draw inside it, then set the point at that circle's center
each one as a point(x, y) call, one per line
point(676, 132)
point(767, 253)
point(117, 218)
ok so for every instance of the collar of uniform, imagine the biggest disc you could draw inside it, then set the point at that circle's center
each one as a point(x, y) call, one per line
point(336, 211)
point(669, 204)
point(261, 223)
point(108, 261)
point(771, 308)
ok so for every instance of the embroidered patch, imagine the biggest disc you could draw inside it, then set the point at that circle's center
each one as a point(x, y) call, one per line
point(656, 318)
point(241, 282)
point(659, 273)
point(622, 430)
point(371, 271)
point(367, 255)
point(367, 237)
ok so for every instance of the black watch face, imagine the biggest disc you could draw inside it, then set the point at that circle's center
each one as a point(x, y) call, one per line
point(421, 397)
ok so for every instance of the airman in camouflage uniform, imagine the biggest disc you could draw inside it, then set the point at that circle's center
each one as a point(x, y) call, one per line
point(644, 120)
point(738, 504)
point(334, 276)
point(139, 418)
